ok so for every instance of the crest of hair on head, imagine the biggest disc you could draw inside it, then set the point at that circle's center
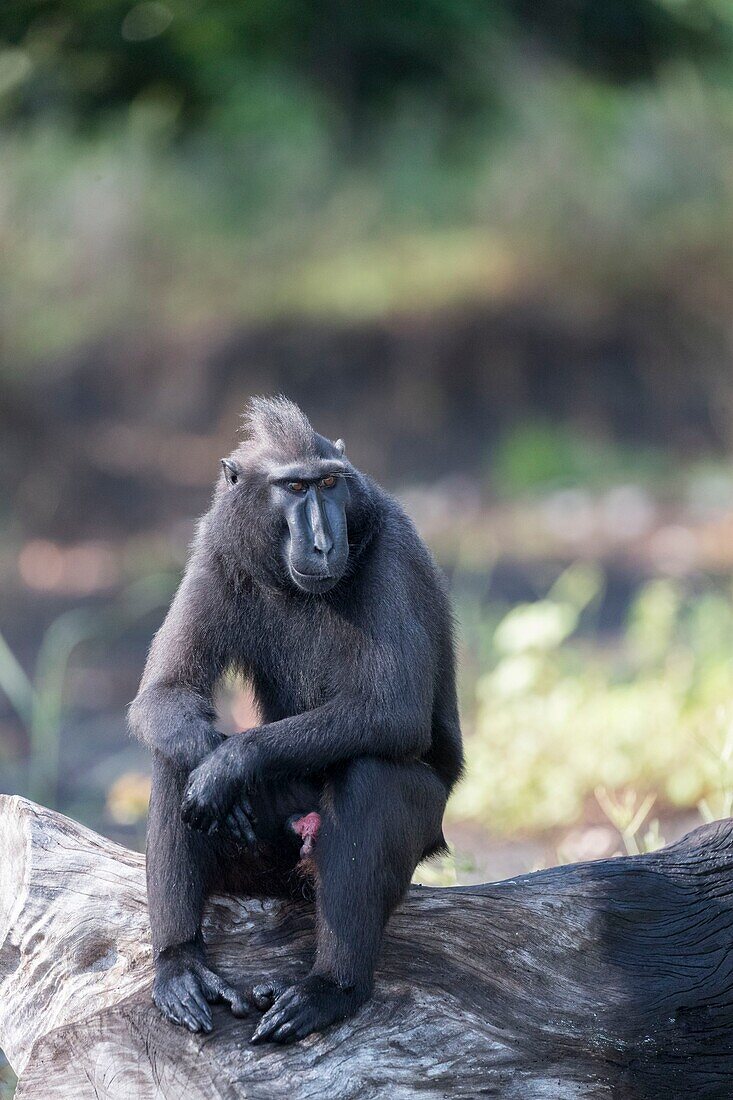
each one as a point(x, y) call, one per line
point(277, 423)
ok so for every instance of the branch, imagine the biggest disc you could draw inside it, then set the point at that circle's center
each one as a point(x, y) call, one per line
point(596, 980)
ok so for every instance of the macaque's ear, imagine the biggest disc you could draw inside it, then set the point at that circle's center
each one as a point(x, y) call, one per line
point(339, 445)
point(231, 471)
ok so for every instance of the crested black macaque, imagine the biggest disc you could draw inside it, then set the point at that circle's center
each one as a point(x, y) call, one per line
point(309, 580)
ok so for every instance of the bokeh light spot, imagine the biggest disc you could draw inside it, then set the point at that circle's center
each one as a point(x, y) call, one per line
point(146, 21)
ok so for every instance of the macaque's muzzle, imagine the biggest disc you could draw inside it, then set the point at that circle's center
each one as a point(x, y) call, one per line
point(319, 542)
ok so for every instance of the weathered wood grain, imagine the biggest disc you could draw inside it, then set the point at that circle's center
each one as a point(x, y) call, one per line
point(609, 979)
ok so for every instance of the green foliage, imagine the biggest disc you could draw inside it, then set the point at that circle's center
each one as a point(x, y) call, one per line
point(539, 455)
point(265, 204)
point(84, 58)
point(557, 720)
point(39, 700)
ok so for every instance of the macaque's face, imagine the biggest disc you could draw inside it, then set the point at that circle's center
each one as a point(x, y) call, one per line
point(313, 496)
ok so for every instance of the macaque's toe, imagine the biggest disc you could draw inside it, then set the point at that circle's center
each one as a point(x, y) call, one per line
point(266, 993)
point(181, 1000)
point(309, 1005)
point(184, 988)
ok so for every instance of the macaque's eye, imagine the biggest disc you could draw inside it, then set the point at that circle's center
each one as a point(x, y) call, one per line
point(328, 482)
point(297, 486)
point(231, 473)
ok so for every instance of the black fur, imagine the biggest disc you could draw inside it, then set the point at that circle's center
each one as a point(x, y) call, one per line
point(356, 688)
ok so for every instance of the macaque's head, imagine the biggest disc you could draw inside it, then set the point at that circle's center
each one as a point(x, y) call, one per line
point(295, 489)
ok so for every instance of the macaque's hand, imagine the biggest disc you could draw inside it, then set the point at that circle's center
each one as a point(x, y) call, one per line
point(241, 821)
point(200, 746)
point(217, 788)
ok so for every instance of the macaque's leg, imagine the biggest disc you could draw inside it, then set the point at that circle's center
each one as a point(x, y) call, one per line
point(378, 820)
point(182, 867)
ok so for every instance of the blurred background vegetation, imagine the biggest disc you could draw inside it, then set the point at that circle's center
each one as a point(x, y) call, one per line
point(490, 243)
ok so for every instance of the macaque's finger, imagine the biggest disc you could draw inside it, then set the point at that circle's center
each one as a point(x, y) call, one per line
point(191, 810)
point(246, 803)
point(244, 826)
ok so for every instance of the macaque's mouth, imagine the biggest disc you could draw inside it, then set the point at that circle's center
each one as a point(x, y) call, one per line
point(314, 580)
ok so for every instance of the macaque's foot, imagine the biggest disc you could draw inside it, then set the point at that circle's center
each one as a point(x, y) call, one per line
point(213, 788)
point(297, 1010)
point(184, 987)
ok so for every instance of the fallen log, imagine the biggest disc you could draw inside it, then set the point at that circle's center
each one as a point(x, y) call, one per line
point(606, 979)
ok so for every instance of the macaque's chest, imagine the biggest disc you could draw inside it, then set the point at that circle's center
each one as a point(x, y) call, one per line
point(297, 662)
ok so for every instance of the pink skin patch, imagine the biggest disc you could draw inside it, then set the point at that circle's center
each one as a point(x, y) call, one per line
point(307, 829)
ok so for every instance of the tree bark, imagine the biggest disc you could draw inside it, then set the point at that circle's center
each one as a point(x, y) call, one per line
point(606, 979)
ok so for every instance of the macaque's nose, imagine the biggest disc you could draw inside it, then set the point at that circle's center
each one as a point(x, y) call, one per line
point(322, 538)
